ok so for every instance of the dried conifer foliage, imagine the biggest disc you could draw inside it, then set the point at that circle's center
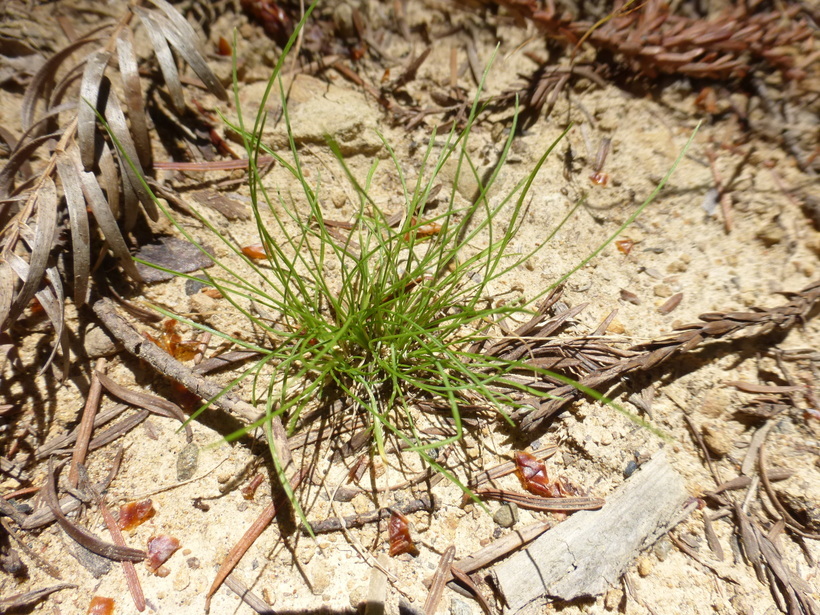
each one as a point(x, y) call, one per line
point(83, 182)
point(651, 39)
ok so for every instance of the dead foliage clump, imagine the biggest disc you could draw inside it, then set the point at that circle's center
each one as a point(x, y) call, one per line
point(66, 178)
point(650, 39)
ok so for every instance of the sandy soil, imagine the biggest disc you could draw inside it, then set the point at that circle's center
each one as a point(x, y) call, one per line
point(678, 247)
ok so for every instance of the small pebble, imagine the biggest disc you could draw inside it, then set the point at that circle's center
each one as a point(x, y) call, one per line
point(98, 343)
point(662, 548)
point(613, 599)
point(644, 566)
point(187, 461)
point(459, 607)
point(506, 515)
point(193, 286)
point(201, 303)
point(616, 327)
point(630, 468)
point(771, 234)
point(717, 438)
point(662, 290)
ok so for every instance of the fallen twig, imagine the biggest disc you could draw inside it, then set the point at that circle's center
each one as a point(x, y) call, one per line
point(21, 601)
point(92, 404)
point(439, 581)
point(336, 524)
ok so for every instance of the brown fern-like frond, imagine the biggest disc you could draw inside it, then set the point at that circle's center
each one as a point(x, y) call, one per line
point(82, 171)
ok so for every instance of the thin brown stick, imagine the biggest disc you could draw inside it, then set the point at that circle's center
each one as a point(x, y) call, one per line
point(336, 524)
point(168, 365)
point(248, 538)
point(532, 502)
point(92, 404)
point(439, 581)
point(128, 569)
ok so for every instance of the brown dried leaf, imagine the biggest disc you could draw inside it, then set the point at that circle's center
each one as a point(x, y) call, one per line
point(181, 35)
point(102, 213)
point(109, 179)
point(129, 159)
point(78, 218)
point(21, 156)
point(133, 96)
point(6, 290)
point(53, 304)
point(90, 89)
point(81, 535)
point(165, 58)
point(152, 403)
point(44, 77)
point(18, 602)
point(45, 197)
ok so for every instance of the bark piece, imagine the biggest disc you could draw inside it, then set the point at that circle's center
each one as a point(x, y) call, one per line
point(588, 553)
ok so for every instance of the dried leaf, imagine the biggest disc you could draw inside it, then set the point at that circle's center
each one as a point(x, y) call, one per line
point(21, 156)
point(102, 213)
point(53, 304)
point(90, 89)
point(45, 200)
point(181, 35)
point(164, 56)
point(81, 535)
point(6, 290)
point(17, 602)
point(44, 76)
point(133, 96)
point(78, 218)
point(130, 204)
point(152, 403)
point(129, 159)
point(109, 179)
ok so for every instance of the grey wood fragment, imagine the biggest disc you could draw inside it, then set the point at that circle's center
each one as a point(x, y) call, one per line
point(588, 553)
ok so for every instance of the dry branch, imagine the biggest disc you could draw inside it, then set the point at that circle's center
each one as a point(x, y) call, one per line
point(595, 363)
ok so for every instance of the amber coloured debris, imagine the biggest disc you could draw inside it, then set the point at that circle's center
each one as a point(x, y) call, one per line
point(400, 540)
point(101, 606)
point(533, 476)
point(171, 342)
point(134, 514)
point(255, 251)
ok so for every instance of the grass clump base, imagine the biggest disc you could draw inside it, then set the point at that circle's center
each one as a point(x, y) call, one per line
point(400, 326)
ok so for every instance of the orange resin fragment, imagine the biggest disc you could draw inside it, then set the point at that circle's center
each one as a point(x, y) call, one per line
point(533, 476)
point(134, 514)
point(399, 532)
point(101, 606)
